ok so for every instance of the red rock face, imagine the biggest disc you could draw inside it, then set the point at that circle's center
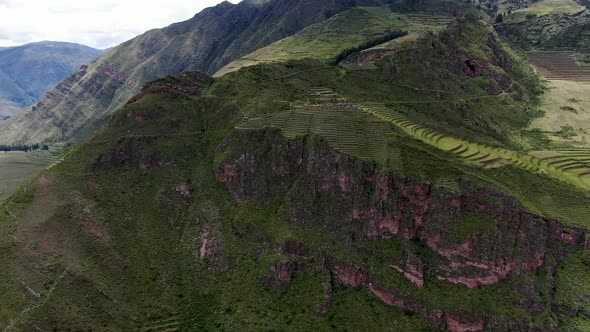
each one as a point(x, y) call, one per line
point(472, 67)
point(350, 275)
point(183, 190)
point(206, 245)
point(412, 269)
point(226, 173)
point(112, 72)
point(388, 298)
point(568, 238)
point(282, 273)
point(131, 153)
point(361, 198)
point(457, 326)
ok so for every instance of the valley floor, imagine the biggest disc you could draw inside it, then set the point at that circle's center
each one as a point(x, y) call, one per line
point(566, 103)
point(18, 167)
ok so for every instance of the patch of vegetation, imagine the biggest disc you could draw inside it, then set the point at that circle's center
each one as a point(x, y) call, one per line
point(538, 138)
point(371, 43)
point(569, 109)
point(470, 225)
point(566, 132)
point(24, 148)
point(574, 288)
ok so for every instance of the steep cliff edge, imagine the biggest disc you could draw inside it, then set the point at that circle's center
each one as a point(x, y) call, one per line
point(435, 237)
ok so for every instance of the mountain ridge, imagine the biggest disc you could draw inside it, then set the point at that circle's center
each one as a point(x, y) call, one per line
point(211, 39)
point(28, 71)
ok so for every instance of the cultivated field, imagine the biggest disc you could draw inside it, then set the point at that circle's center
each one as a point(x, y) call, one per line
point(572, 166)
point(560, 66)
point(545, 7)
point(17, 167)
point(566, 102)
point(363, 130)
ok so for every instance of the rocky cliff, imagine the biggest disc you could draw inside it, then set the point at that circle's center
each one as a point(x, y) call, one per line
point(475, 240)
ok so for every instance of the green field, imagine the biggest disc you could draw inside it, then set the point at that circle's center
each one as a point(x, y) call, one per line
point(565, 102)
point(17, 167)
point(572, 168)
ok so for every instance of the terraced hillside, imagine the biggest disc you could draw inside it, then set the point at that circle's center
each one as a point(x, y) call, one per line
point(345, 127)
point(573, 171)
point(83, 102)
point(560, 66)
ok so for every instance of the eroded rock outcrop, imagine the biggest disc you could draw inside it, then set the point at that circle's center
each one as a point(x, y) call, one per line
point(358, 196)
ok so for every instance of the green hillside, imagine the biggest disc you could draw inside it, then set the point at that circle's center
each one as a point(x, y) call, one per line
point(547, 25)
point(389, 194)
point(27, 72)
point(325, 40)
point(82, 103)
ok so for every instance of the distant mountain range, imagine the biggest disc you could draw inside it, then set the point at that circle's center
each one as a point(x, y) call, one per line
point(27, 72)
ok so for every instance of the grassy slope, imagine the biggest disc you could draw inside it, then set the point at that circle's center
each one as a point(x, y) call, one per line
point(125, 239)
point(17, 168)
point(565, 102)
point(153, 246)
point(207, 42)
point(327, 39)
point(546, 7)
point(549, 25)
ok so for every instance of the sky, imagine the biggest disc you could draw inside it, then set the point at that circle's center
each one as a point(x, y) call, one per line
point(97, 23)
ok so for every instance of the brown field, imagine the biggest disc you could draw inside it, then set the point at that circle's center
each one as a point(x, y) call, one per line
point(559, 66)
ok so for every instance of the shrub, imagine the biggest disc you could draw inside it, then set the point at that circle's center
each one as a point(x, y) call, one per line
point(566, 132)
point(568, 109)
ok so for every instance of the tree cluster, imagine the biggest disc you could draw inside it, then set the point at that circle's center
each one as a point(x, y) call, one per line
point(24, 147)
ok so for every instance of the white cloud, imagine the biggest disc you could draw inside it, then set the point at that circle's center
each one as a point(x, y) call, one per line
point(96, 23)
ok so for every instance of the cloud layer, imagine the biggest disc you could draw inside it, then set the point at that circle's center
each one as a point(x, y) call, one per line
point(96, 23)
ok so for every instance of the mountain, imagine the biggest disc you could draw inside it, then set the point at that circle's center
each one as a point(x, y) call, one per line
point(395, 190)
point(27, 72)
point(548, 25)
point(327, 39)
point(80, 104)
